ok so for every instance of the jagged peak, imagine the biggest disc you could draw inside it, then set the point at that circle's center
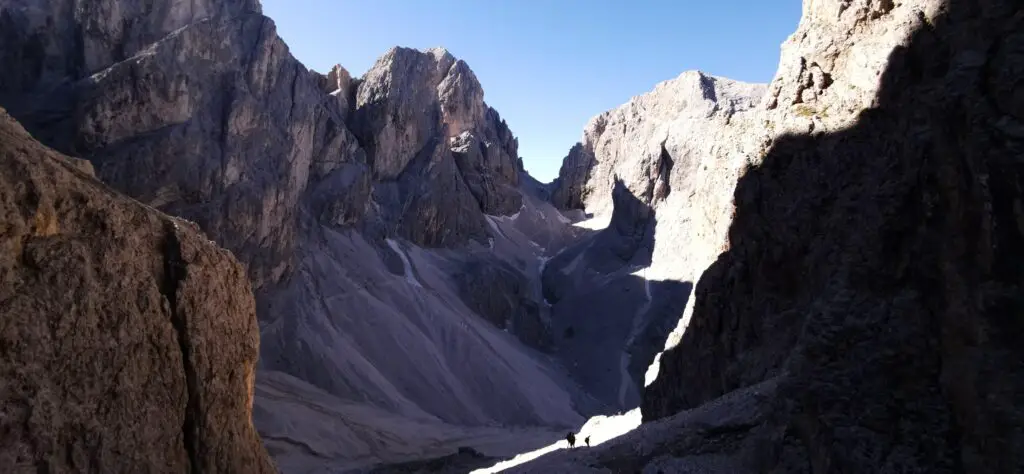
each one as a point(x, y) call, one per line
point(707, 86)
point(396, 54)
point(439, 53)
point(693, 90)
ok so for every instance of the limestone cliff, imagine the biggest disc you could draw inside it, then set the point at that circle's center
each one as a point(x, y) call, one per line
point(439, 155)
point(200, 110)
point(873, 254)
point(128, 340)
point(859, 294)
point(641, 141)
point(652, 173)
point(353, 204)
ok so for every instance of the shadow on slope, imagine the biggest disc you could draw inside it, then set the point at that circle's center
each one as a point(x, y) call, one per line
point(464, 460)
point(405, 343)
point(878, 269)
point(608, 321)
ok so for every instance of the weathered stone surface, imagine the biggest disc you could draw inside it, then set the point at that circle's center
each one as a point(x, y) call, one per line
point(501, 294)
point(397, 107)
point(675, 153)
point(814, 39)
point(461, 99)
point(215, 122)
point(485, 167)
point(492, 289)
point(129, 340)
point(569, 190)
point(413, 104)
point(664, 154)
point(339, 83)
point(639, 142)
point(45, 43)
point(429, 204)
point(714, 438)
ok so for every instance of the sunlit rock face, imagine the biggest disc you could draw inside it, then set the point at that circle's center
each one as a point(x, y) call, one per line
point(440, 154)
point(850, 228)
point(655, 173)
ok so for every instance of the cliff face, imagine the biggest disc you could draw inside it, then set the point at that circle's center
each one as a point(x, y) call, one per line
point(871, 260)
point(641, 141)
point(656, 172)
point(439, 154)
point(677, 150)
point(196, 109)
point(863, 310)
point(128, 340)
point(52, 42)
point(200, 110)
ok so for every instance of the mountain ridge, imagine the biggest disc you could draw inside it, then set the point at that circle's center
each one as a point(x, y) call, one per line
point(350, 249)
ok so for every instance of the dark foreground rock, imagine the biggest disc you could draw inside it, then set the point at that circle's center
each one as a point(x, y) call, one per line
point(128, 341)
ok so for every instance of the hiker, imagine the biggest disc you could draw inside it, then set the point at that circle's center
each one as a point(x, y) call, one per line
point(571, 438)
point(587, 440)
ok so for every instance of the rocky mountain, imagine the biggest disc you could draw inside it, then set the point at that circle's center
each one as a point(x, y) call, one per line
point(641, 141)
point(816, 275)
point(129, 340)
point(648, 174)
point(440, 158)
point(858, 292)
point(391, 237)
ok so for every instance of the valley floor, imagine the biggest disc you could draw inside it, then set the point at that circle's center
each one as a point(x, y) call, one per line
point(309, 431)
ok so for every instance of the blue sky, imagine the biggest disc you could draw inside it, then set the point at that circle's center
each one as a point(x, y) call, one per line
point(548, 66)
